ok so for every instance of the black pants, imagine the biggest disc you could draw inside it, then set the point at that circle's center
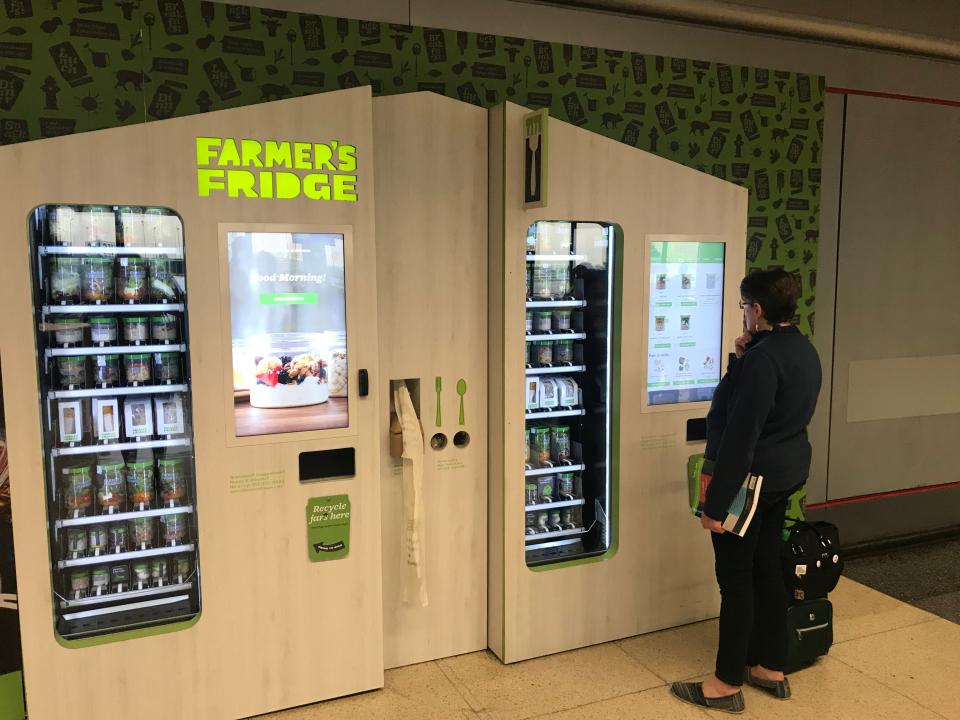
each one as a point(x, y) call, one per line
point(753, 605)
point(9, 619)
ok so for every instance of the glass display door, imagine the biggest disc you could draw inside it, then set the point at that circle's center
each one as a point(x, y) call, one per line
point(110, 297)
point(569, 335)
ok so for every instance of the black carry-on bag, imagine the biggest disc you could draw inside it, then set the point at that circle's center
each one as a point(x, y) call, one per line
point(812, 565)
point(811, 559)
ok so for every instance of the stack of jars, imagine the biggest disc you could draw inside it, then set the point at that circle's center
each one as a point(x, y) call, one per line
point(546, 353)
point(107, 330)
point(549, 321)
point(548, 280)
point(548, 445)
point(549, 351)
point(113, 486)
point(76, 372)
point(105, 226)
point(100, 280)
point(544, 521)
point(119, 577)
point(142, 533)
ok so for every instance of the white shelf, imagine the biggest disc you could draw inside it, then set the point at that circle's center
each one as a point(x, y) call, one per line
point(555, 258)
point(554, 543)
point(547, 414)
point(554, 470)
point(116, 350)
point(540, 537)
point(173, 252)
point(129, 595)
point(124, 556)
point(112, 392)
point(115, 447)
point(554, 505)
point(117, 517)
point(548, 304)
point(96, 309)
point(557, 369)
point(125, 608)
point(558, 336)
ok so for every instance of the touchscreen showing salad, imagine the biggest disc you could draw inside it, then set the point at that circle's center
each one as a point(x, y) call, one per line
point(289, 331)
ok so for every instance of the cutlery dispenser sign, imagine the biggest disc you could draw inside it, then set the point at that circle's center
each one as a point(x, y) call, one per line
point(535, 159)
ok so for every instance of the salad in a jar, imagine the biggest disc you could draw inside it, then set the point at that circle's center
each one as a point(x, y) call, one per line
point(289, 370)
point(285, 369)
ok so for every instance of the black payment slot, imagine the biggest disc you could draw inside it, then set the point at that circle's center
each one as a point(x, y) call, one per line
point(327, 464)
point(696, 429)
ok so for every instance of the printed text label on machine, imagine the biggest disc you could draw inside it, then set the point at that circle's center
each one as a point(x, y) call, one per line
point(328, 527)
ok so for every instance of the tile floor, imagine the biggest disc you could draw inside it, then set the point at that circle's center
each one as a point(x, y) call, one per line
point(925, 575)
point(890, 661)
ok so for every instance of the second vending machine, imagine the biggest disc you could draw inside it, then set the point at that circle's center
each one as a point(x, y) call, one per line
point(610, 299)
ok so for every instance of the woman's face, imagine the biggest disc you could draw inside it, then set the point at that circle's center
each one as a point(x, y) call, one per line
point(751, 315)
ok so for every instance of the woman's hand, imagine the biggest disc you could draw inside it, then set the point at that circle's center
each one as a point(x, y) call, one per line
point(708, 523)
point(740, 344)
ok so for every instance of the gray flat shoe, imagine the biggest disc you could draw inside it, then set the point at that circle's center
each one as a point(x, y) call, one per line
point(693, 693)
point(779, 689)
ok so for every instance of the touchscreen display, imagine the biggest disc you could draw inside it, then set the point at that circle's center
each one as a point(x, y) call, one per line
point(289, 331)
point(686, 321)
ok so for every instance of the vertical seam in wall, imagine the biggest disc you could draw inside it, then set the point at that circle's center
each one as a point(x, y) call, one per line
point(503, 377)
point(836, 294)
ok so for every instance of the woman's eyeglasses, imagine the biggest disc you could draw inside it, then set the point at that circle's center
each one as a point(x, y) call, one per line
point(745, 303)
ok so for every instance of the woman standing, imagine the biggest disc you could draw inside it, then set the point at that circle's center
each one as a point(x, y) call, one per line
point(757, 423)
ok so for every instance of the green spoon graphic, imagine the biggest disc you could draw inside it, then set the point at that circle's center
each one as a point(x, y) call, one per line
point(438, 384)
point(461, 391)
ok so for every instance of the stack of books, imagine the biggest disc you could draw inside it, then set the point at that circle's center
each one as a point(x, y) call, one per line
point(744, 504)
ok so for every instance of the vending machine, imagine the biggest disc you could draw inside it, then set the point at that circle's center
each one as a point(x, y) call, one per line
point(189, 346)
point(613, 300)
point(113, 369)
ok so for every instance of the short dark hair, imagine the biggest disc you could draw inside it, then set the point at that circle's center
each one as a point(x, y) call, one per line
point(776, 292)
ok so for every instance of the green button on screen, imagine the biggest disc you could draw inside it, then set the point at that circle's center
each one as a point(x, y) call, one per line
point(288, 298)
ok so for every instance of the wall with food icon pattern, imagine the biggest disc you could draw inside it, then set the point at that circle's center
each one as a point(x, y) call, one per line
point(71, 66)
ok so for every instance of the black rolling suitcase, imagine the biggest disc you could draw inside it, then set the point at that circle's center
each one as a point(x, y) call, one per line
point(812, 566)
point(810, 633)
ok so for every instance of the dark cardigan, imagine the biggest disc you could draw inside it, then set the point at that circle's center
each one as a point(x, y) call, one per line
point(759, 415)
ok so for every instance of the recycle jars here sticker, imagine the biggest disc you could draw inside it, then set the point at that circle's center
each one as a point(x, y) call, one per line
point(328, 528)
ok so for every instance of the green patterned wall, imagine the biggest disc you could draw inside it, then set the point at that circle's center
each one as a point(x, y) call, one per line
point(74, 65)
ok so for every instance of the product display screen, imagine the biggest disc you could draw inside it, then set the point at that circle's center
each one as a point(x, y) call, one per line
point(686, 321)
point(289, 331)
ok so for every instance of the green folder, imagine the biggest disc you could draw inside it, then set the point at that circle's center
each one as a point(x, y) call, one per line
point(11, 696)
point(694, 466)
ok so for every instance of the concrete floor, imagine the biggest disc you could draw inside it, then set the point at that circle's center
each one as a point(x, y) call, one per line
point(890, 661)
point(926, 576)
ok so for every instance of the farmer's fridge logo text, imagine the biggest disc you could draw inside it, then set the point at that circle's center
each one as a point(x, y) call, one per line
point(276, 169)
